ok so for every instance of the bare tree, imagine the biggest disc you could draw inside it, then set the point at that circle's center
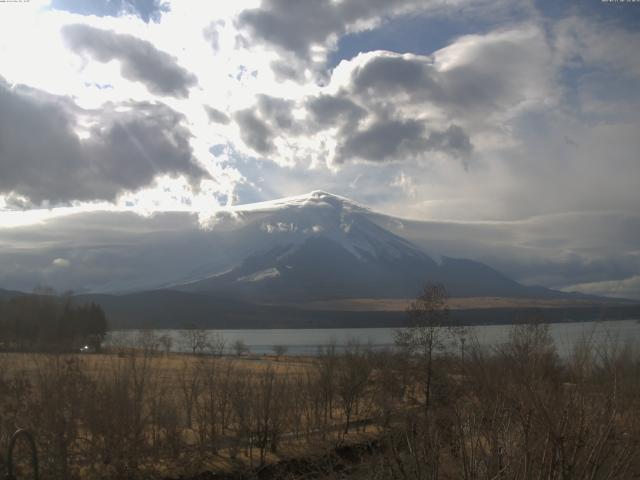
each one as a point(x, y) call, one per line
point(240, 347)
point(353, 376)
point(147, 342)
point(327, 364)
point(190, 387)
point(216, 344)
point(280, 350)
point(429, 327)
point(268, 398)
point(166, 342)
point(194, 339)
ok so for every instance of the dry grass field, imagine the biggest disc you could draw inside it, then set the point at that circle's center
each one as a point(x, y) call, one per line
point(518, 412)
point(401, 304)
point(156, 414)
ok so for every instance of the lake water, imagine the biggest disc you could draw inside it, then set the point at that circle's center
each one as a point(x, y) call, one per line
point(307, 341)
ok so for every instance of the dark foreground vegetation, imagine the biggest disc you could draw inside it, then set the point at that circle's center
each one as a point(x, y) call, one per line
point(515, 412)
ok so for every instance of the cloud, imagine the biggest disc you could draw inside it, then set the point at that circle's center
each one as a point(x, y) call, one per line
point(582, 41)
point(293, 26)
point(387, 106)
point(254, 131)
point(477, 75)
point(277, 111)
point(304, 32)
point(557, 250)
point(600, 67)
point(394, 73)
point(454, 140)
point(625, 288)
point(405, 183)
point(109, 251)
point(216, 115)
point(271, 118)
point(140, 60)
point(382, 140)
point(402, 140)
point(61, 263)
point(123, 148)
point(147, 10)
point(328, 110)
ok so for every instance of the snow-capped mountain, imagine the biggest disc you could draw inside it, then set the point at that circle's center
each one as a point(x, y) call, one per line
point(283, 264)
point(312, 246)
point(321, 246)
point(295, 220)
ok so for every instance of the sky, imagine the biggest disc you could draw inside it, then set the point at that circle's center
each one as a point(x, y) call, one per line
point(520, 115)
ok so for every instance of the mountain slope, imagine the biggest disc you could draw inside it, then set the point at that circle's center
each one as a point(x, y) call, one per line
point(321, 246)
point(6, 294)
point(307, 247)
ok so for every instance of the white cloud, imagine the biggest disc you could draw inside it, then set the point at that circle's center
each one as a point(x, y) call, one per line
point(61, 263)
point(625, 288)
point(405, 183)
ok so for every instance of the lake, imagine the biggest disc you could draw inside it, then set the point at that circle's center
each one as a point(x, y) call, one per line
point(307, 341)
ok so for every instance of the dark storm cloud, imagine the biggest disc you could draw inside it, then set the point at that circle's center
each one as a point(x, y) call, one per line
point(43, 159)
point(272, 117)
point(254, 131)
point(388, 77)
point(277, 111)
point(383, 140)
point(387, 140)
point(140, 60)
point(453, 141)
point(295, 26)
point(147, 10)
point(326, 110)
point(216, 115)
point(394, 73)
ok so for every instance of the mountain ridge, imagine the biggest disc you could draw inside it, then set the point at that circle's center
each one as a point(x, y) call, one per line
point(308, 247)
point(327, 247)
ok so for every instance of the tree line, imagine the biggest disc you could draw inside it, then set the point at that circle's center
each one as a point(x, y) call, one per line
point(514, 411)
point(46, 322)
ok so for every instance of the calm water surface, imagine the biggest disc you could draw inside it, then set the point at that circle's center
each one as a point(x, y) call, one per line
point(307, 341)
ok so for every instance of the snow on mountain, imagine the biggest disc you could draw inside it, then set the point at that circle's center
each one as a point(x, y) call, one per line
point(293, 220)
point(320, 246)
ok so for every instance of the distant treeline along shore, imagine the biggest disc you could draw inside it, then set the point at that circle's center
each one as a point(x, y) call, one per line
point(46, 323)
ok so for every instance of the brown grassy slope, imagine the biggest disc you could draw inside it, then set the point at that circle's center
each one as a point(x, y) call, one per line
point(467, 303)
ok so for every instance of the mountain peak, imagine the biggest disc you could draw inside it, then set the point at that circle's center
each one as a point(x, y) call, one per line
point(327, 196)
point(315, 198)
point(320, 194)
